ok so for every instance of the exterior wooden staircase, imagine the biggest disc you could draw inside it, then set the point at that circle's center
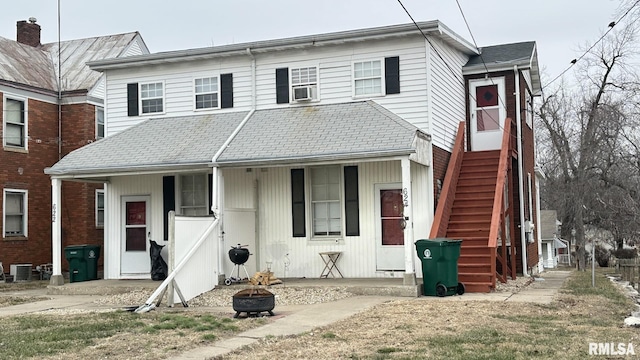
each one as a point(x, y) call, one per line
point(472, 208)
point(470, 219)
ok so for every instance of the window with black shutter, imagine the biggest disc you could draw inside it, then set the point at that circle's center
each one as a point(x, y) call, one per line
point(351, 204)
point(298, 203)
point(132, 99)
point(226, 91)
point(282, 86)
point(392, 75)
point(168, 201)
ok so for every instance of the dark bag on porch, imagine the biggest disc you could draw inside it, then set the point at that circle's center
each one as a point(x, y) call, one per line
point(158, 265)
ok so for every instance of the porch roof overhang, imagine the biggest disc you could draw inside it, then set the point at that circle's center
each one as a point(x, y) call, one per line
point(349, 132)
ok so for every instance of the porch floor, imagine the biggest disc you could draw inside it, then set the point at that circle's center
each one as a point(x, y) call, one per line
point(357, 286)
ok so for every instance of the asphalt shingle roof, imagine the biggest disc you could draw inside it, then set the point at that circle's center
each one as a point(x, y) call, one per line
point(319, 131)
point(154, 143)
point(506, 53)
point(349, 130)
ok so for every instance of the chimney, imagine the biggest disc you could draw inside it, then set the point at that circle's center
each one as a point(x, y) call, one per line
point(29, 32)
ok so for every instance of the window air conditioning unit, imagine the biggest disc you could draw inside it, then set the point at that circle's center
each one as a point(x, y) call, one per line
point(21, 272)
point(302, 93)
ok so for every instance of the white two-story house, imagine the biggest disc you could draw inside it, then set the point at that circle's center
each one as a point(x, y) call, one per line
point(335, 142)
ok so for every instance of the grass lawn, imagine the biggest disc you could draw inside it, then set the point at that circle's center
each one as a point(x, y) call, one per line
point(426, 328)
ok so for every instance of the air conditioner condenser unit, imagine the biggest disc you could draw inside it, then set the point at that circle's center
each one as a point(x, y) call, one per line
point(21, 272)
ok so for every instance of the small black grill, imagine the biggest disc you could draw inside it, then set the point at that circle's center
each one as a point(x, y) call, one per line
point(238, 255)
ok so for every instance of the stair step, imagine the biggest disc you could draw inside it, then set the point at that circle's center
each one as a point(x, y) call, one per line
point(478, 287)
point(471, 209)
point(477, 216)
point(473, 181)
point(485, 154)
point(474, 259)
point(468, 233)
point(474, 268)
point(465, 277)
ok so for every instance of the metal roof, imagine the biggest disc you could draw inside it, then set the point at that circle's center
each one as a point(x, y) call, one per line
point(38, 67)
point(269, 137)
point(435, 28)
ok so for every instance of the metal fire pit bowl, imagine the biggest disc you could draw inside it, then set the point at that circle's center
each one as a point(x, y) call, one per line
point(253, 302)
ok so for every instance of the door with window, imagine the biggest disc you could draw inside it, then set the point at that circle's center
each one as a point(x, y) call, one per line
point(487, 109)
point(135, 260)
point(389, 227)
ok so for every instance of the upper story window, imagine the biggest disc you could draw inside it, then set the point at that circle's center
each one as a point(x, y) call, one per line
point(15, 213)
point(367, 78)
point(304, 83)
point(152, 97)
point(15, 123)
point(99, 122)
point(206, 93)
point(193, 194)
point(99, 208)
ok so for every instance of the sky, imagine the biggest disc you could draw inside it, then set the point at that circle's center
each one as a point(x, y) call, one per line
point(561, 28)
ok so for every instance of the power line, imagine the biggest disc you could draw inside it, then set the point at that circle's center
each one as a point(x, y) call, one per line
point(449, 67)
point(574, 61)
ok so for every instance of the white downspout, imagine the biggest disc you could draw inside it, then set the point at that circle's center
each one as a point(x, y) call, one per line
point(523, 239)
point(216, 178)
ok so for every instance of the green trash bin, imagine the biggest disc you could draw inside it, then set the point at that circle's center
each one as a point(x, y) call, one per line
point(83, 262)
point(440, 266)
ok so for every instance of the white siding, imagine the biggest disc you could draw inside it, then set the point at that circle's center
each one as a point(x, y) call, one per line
point(446, 93)
point(135, 48)
point(116, 189)
point(276, 243)
point(98, 89)
point(335, 82)
point(178, 88)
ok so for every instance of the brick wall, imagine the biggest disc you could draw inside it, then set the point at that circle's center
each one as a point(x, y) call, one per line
point(440, 162)
point(25, 171)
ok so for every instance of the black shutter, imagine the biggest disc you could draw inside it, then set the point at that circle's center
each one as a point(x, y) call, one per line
point(226, 91)
point(392, 75)
point(168, 201)
point(210, 185)
point(351, 209)
point(297, 202)
point(282, 85)
point(132, 99)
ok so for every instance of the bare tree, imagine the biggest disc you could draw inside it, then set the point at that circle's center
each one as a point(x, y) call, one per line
point(589, 138)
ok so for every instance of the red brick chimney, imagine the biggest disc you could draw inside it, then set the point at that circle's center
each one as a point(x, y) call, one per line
point(29, 32)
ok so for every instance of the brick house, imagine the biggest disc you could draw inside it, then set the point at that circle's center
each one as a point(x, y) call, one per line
point(41, 123)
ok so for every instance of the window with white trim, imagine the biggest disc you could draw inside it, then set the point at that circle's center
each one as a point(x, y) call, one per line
point(326, 209)
point(99, 122)
point(99, 208)
point(15, 123)
point(152, 98)
point(15, 213)
point(529, 111)
point(193, 194)
point(304, 83)
point(368, 78)
point(206, 93)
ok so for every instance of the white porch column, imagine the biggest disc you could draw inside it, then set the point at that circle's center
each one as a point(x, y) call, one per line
point(56, 231)
point(409, 266)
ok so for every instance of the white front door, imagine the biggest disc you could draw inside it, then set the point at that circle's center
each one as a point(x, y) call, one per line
point(135, 261)
point(389, 227)
point(488, 112)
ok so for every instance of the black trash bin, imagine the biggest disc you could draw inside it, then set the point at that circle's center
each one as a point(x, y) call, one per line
point(83, 262)
point(440, 266)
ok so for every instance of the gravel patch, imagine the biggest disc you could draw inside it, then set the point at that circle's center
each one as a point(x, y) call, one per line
point(222, 296)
